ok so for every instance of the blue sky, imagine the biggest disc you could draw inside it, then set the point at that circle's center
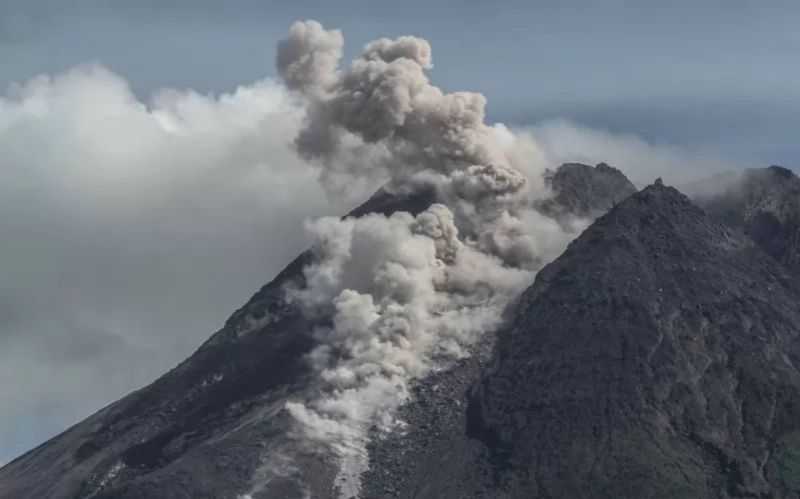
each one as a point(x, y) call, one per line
point(722, 74)
point(106, 286)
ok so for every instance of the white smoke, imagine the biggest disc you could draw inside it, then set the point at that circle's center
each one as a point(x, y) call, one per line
point(405, 294)
point(308, 58)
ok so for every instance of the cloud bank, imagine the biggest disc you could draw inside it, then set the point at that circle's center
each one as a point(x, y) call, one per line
point(130, 231)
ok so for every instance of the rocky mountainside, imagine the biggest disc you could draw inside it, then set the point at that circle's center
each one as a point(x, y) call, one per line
point(763, 202)
point(657, 357)
point(205, 429)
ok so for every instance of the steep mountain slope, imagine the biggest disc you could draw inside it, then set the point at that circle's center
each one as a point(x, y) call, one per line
point(207, 428)
point(655, 358)
point(765, 203)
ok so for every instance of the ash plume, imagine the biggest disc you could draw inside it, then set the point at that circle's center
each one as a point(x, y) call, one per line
point(308, 58)
point(406, 294)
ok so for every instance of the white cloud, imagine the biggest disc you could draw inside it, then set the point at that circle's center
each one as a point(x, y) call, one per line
point(130, 231)
point(642, 161)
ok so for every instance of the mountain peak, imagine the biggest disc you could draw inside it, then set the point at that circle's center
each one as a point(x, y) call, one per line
point(658, 341)
point(585, 191)
point(781, 171)
point(657, 202)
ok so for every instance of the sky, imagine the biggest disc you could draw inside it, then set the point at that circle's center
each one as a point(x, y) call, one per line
point(149, 187)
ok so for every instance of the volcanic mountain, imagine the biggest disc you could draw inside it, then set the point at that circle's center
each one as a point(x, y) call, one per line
point(656, 357)
point(206, 428)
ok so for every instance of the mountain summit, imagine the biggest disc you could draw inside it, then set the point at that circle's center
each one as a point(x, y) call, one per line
point(585, 191)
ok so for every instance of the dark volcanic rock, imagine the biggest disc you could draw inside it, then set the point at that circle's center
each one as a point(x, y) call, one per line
point(585, 191)
point(432, 457)
point(656, 358)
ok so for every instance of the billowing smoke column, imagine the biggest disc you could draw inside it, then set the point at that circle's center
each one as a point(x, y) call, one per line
point(406, 294)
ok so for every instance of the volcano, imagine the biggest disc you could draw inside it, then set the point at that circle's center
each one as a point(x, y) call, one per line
point(479, 328)
point(205, 429)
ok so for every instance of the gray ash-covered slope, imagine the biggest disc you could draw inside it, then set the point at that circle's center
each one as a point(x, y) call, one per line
point(764, 202)
point(656, 358)
point(200, 430)
point(203, 429)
